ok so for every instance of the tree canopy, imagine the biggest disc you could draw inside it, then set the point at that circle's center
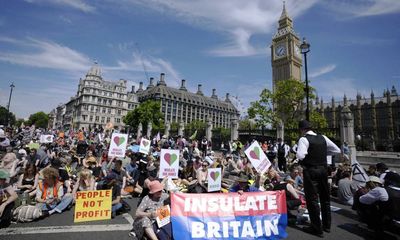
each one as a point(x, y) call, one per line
point(286, 104)
point(4, 115)
point(148, 111)
point(39, 119)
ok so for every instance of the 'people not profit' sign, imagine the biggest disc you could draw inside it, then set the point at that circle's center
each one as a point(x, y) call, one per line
point(93, 205)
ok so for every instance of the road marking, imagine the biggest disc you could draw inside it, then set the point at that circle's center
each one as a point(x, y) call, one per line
point(128, 218)
point(66, 229)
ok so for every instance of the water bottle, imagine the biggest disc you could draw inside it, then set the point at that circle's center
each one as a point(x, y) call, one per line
point(25, 197)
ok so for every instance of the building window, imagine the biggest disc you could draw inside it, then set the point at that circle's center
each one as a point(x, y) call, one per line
point(102, 119)
point(118, 120)
point(108, 119)
point(84, 117)
point(91, 118)
point(109, 111)
point(97, 118)
point(104, 110)
point(119, 111)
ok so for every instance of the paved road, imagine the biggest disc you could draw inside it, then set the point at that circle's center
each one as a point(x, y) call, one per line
point(61, 227)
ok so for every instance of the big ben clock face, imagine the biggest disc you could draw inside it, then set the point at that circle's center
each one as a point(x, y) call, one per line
point(297, 50)
point(280, 50)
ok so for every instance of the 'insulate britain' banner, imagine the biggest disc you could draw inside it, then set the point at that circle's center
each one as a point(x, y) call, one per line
point(255, 215)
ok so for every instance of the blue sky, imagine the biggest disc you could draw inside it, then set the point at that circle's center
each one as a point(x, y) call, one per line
point(47, 45)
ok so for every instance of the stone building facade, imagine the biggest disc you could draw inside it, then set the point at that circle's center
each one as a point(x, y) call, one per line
point(376, 119)
point(96, 103)
point(181, 106)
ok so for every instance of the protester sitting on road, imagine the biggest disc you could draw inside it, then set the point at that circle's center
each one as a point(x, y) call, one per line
point(28, 181)
point(233, 168)
point(7, 199)
point(111, 182)
point(371, 170)
point(90, 161)
point(373, 204)
point(295, 177)
point(346, 189)
point(243, 185)
point(146, 211)
point(50, 195)
point(9, 162)
point(188, 174)
point(85, 182)
point(201, 174)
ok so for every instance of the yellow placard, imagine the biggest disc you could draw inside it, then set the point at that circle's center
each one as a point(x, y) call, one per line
point(93, 205)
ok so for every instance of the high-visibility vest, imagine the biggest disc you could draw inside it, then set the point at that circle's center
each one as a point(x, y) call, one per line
point(43, 188)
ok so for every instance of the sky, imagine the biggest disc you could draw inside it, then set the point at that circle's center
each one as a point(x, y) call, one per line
point(46, 46)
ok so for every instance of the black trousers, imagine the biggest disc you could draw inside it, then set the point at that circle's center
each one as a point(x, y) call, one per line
point(282, 163)
point(5, 218)
point(316, 188)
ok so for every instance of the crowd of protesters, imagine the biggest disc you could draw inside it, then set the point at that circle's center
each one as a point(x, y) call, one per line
point(46, 177)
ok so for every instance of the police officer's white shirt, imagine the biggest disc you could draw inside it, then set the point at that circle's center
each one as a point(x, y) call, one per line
point(303, 144)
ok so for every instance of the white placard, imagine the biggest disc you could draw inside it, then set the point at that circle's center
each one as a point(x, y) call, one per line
point(144, 146)
point(46, 138)
point(169, 163)
point(214, 179)
point(329, 160)
point(257, 158)
point(209, 159)
point(118, 145)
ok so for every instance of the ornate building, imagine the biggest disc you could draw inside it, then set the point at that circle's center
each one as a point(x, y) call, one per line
point(376, 119)
point(286, 56)
point(96, 103)
point(181, 106)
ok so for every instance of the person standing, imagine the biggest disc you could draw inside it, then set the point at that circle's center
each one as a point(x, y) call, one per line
point(282, 152)
point(312, 153)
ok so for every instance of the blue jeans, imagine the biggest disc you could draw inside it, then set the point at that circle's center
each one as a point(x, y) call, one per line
point(61, 206)
point(116, 207)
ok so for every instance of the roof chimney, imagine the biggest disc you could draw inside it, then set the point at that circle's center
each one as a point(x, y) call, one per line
point(214, 95)
point(227, 98)
point(199, 90)
point(151, 83)
point(133, 89)
point(140, 87)
point(162, 80)
point(183, 87)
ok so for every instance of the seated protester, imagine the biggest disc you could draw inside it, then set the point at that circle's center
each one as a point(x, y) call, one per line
point(90, 162)
point(85, 182)
point(50, 195)
point(392, 186)
point(232, 168)
point(9, 162)
point(146, 211)
point(121, 174)
point(346, 189)
point(33, 157)
point(295, 177)
point(28, 181)
point(372, 204)
point(201, 177)
point(188, 174)
point(7, 199)
point(111, 182)
point(43, 157)
point(243, 185)
point(133, 174)
point(371, 170)
point(382, 170)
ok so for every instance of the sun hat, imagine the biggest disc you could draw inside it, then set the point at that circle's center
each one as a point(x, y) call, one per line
point(4, 174)
point(375, 179)
point(155, 186)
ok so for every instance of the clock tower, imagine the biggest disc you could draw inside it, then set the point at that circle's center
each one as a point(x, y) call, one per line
point(286, 56)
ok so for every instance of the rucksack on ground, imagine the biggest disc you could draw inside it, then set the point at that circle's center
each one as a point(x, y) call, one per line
point(26, 213)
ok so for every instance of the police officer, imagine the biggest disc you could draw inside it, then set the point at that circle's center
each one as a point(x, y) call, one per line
point(312, 153)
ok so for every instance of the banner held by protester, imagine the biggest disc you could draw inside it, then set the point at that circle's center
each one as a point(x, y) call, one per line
point(214, 179)
point(118, 145)
point(257, 157)
point(169, 163)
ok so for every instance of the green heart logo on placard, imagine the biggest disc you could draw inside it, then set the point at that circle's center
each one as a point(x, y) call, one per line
point(170, 158)
point(214, 175)
point(119, 140)
point(255, 153)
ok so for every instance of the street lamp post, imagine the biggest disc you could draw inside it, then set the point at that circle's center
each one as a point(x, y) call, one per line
point(12, 86)
point(305, 48)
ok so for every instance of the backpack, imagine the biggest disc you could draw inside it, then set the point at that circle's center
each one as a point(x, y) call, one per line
point(27, 213)
point(281, 150)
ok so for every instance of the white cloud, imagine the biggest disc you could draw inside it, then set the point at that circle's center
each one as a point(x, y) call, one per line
point(364, 8)
point(323, 70)
point(77, 4)
point(239, 19)
point(45, 54)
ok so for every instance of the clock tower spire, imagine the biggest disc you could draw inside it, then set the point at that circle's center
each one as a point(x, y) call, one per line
point(285, 52)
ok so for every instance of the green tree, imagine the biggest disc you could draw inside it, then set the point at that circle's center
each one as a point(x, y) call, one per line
point(247, 124)
point(148, 111)
point(286, 104)
point(4, 115)
point(19, 122)
point(198, 125)
point(39, 119)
